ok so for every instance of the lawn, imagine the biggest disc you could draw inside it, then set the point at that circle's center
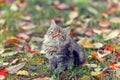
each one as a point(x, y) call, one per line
point(95, 24)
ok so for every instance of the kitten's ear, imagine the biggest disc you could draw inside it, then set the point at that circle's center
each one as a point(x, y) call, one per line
point(67, 30)
point(53, 24)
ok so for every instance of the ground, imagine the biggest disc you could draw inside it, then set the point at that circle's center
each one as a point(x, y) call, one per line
point(95, 24)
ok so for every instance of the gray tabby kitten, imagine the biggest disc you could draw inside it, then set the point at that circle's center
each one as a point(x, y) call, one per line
point(62, 52)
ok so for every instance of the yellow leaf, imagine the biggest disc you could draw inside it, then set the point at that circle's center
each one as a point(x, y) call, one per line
point(88, 45)
point(23, 72)
point(96, 73)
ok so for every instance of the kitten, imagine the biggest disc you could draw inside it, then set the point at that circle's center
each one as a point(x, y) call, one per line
point(61, 50)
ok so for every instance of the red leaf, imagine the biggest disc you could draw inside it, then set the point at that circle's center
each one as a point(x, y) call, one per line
point(118, 55)
point(4, 72)
point(27, 48)
point(110, 47)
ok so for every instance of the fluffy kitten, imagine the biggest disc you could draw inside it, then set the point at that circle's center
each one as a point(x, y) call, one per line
point(62, 52)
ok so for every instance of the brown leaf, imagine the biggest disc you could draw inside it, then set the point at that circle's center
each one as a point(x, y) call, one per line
point(12, 40)
point(104, 23)
point(73, 15)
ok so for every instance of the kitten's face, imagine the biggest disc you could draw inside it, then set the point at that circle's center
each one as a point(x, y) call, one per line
point(56, 33)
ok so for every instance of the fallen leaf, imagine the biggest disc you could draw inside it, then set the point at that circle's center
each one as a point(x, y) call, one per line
point(92, 10)
point(45, 78)
point(115, 20)
point(104, 23)
point(22, 72)
point(105, 15)
point(9, 53)
point(12, 40)
point(5, 31)
point(85, 77)
point(112, 35)
point(15, 60)
point(98, 45)
point(28, 18)
point(3, 73)
point(73, 15)
point(2, 22)
point(88, 45)
point(110, 47)
point(23, 36)
point(15, 68)
point(114, 66)
point(118, 55)
point(118, 73)
point(1, 50)
point(1, 2)
point(96, 73)
point(14, 7)
point(97, 31)
point(91, 65)
point(61, 6)
point(28, 27)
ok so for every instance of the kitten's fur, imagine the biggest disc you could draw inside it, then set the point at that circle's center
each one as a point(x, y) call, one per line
point(61, 51)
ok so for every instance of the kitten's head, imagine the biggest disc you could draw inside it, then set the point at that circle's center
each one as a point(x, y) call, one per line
point(56, 33)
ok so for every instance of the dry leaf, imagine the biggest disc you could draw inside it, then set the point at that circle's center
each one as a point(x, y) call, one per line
point(97, 31)
point(28, 27)
point(2, 22)
point(88, 45)
point(98, 45)
point(1, 50)
point(9, 53)
point(45, 78)
point(115, 20)
point(23, 36)
point(112, 35)
point(61, 6)
point(104, 23)
point(73, 15)
point(92, 10)
point(14, 7)
point(28, 18)
point(91, 65)
point(1, 2)
point(12, 40)
point(105, 15)
point(15, 60)
point(96, 73)
point(22, 72)
point(14, 69)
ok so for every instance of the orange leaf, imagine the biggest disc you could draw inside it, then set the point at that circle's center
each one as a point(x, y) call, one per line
point(5, 31)
point(105, 15)
point(104, 23)
point(37, 52)
point(110, 47)
point(41, 59)
point(95, 55)
point(12, 40)
point(1, 2)
point(114, 66)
